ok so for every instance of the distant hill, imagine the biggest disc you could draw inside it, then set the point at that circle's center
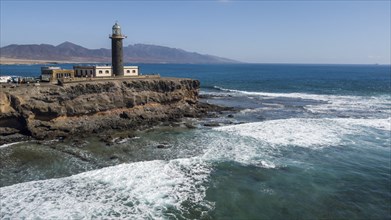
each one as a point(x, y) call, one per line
point(137, 53)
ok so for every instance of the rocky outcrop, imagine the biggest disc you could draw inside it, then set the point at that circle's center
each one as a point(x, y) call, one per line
point(51, 111)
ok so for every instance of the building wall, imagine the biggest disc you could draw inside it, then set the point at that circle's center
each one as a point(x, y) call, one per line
point(84, 71)
point(52, 75)
point(131, 71)
point(103, 71)
point(57, 74)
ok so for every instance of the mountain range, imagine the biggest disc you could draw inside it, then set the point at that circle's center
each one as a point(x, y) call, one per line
point(137, 53)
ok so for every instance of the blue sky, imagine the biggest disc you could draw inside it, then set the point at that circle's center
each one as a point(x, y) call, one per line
point(249, 31)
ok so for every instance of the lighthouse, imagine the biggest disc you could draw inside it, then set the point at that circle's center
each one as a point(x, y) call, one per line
point(117, 51)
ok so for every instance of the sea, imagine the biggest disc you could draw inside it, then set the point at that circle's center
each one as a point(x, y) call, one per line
point(306, 141)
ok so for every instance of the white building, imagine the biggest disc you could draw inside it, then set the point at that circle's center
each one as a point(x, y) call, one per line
point(131, 71)
point(103, 71)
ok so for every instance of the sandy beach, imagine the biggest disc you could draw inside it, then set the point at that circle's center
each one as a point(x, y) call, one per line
point(11, 61)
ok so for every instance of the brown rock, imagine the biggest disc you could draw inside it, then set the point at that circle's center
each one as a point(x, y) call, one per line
point(51, 111)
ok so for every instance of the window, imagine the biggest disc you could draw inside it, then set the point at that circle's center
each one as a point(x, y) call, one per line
point(107, 71)
point(134, 71)
point(127, 71)
point(100, 71)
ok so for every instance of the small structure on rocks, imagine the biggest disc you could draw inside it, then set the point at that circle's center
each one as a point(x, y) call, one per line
point(52, 74)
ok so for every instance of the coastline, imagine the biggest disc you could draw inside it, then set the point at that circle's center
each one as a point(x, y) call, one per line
point(289, 136)
point(98, 107)
point(15, 61)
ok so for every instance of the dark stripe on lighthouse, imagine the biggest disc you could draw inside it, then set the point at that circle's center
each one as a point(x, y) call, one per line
point(117, 56)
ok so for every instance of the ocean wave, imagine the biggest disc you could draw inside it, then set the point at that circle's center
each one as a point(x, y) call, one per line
point(306, 132)
point(140, 190)
point(325, 103)
point(322, 97)
point(11, 144)
point(160, 189)
point(155, 189)
point(222, 147)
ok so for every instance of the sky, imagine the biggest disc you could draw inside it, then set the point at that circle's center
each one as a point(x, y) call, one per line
point(335, 32)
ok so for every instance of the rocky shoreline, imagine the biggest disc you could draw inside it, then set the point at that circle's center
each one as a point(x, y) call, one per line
point(100, 107)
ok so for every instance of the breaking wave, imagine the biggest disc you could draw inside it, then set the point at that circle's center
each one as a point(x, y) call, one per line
point(11, 144)
point(152, 189)
point(161, 189)
point(306, 132)
point(368, 105)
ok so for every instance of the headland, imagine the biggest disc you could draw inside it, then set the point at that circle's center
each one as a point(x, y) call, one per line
point(93, 99)
point(51, 111)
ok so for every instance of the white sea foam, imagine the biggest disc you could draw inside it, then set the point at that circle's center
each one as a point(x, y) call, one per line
point(367, 104)
point(261, 143)
point(291, 95)
point(269, 94)
point(305, 132)
point(10, 144)
point(370, 106)
point(227, 147)
point(129, 191)
point(152, 189)
point(156, 189)
point(141, 190)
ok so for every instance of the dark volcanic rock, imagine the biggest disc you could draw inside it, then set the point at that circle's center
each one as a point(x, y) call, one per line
point(212, 124)
point(8, 131)
point(78, 109)
point(163, 146)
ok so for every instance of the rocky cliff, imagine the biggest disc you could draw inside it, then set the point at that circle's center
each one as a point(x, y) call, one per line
point(51, 111)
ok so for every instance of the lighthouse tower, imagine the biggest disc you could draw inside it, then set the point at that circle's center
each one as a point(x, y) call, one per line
point(117, 51)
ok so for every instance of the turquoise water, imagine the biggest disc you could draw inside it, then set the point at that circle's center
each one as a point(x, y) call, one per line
point(309, 142)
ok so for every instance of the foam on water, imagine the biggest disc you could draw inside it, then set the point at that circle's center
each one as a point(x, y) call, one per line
point(138, 190)
point(160, 189)
point(223, 146)
point(291, 95)
point(10, 144)
point(368, 104)
point(305, 132)
point(151, 189)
